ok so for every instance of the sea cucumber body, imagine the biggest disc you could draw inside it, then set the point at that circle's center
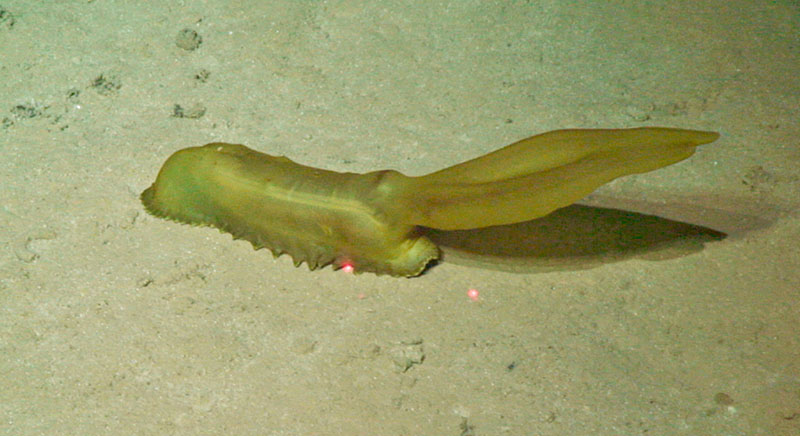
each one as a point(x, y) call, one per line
point(374, 221)
point(316, 216)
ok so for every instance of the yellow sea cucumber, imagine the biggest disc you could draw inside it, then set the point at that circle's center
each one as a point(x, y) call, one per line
point(371, 221)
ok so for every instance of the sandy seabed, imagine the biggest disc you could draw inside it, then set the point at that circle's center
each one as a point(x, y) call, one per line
point(115, 322)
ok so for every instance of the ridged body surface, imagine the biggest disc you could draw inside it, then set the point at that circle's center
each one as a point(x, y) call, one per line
point(316, 216)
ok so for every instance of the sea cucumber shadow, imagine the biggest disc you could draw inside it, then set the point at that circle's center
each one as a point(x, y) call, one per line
point(573, 238)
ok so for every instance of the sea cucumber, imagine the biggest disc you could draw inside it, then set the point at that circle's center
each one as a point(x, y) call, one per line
point(371, 222)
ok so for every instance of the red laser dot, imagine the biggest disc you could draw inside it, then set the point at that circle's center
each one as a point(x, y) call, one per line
point(348, 268)
point(473, 294)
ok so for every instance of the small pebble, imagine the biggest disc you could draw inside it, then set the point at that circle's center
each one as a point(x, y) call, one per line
point(188, 40)
point(106, 84)
point(723, 399)
point(6, 18)
point(194, 111)
point(638, 113)
point(407, 354)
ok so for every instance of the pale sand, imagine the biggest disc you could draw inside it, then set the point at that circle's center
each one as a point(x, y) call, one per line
point(114, 322)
